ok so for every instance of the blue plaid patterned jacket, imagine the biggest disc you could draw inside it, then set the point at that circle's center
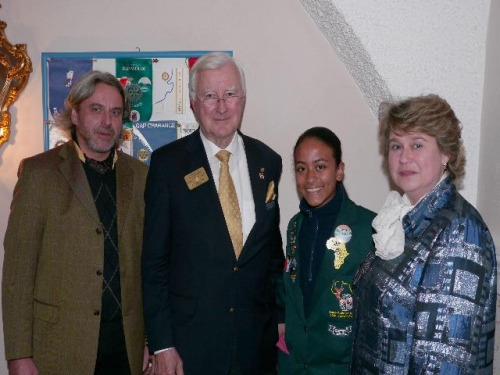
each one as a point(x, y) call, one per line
point(431, 310)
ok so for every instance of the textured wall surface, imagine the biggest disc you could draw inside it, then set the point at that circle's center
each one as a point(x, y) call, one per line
point(399, 48)
point(350, 50)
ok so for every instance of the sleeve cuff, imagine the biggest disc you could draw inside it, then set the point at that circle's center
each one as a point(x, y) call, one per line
point(163, 350)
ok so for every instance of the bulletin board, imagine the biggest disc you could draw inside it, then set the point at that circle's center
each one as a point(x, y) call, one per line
point(156, 82)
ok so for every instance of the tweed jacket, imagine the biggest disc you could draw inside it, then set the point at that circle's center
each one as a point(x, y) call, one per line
point(54, 258)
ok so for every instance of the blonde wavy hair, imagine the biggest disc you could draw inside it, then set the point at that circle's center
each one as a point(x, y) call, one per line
point(431, 115)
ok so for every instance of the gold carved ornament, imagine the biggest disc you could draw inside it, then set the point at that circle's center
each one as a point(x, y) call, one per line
point(15, 69)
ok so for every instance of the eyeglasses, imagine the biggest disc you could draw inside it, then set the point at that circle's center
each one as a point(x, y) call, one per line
point(212, 101)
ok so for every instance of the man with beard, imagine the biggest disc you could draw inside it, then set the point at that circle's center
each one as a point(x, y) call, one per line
point(72, 301)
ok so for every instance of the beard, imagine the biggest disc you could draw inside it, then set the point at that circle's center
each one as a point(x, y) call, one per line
point(97, 144)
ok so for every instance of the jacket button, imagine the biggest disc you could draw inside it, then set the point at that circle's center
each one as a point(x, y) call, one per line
point(236, 269)
point(306, 329)
point(98, 230)
point(96, 312)
point(99, 273)
point(231, 310)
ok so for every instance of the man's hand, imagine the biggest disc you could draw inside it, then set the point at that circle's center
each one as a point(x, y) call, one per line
point(22, 366)
point(168, 363)
point(147, 362)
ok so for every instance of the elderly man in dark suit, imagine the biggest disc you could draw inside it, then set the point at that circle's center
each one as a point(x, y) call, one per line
point(71, 297)
point(212, 245)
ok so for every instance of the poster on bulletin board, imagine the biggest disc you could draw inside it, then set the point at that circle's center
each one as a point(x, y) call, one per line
point(157, 85)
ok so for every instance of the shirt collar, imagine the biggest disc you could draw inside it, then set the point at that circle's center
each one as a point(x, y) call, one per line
point(212, 149)
point(417, 220)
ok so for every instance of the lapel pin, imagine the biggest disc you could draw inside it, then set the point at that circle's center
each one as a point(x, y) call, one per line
point(261, 174)
point(343, 233)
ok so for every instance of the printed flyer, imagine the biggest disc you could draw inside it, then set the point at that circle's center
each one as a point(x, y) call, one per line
point(156, 83)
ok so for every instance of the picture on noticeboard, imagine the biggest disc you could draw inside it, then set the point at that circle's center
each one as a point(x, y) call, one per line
point(156, 83)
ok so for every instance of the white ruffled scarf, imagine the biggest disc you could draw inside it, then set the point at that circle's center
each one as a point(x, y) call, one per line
point(390, 237)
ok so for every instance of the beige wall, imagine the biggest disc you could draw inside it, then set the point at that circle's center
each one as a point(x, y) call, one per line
point(294, 78)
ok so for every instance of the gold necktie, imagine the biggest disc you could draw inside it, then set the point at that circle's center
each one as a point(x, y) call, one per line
point(229, 202)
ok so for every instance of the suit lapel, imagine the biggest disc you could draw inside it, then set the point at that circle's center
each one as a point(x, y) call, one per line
point(258, 179)
point(124, 190)
point(294, 291)
point(259, 183)
point(71, 167)
point(209, 201)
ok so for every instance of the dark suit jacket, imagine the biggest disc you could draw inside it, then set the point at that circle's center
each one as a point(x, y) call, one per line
point(197, 296)
point(54, 256)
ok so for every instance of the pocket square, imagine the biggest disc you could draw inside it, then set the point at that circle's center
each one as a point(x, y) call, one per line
point(270, 193)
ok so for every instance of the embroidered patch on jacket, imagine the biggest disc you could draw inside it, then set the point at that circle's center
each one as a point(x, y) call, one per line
point(339, 251)
point(343, 293)
point(339, 331)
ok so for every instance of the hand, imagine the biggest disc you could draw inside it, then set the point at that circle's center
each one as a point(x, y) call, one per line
point(22, 366)
point(281, 329)
point(147, 362)
point(168, 363)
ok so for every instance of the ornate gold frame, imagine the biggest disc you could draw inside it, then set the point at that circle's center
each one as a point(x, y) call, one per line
point(15, 69)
